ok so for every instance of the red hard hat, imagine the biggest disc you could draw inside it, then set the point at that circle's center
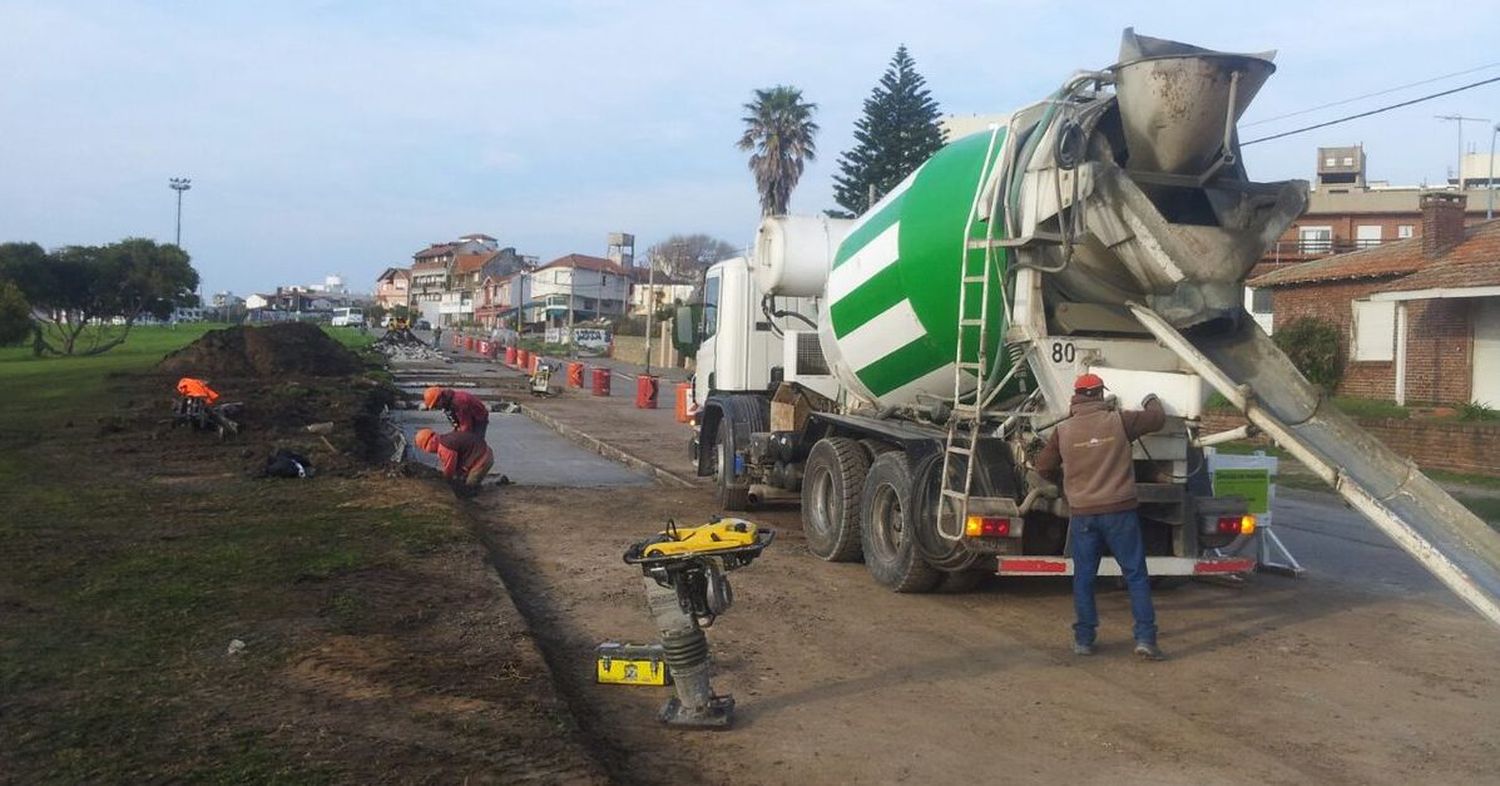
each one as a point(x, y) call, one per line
point(1087, 382)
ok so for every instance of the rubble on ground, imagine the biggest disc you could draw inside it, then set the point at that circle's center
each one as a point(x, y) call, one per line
point(287, 348)
point(402, 345)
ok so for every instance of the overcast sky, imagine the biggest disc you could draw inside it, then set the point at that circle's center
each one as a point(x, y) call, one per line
point(328, 137)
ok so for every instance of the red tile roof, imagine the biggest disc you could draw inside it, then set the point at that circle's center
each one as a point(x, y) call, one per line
point(1481, 244)
point(469, 263)
point(435, 250)
point(1472, 263)
point(597, 264)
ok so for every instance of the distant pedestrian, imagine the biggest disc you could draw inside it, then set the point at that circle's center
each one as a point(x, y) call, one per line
point(464, 459)
point(437, 336)
point(466, 411)
point(1091, 451)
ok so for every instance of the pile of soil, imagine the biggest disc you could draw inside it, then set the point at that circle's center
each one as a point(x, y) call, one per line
point(273, 351)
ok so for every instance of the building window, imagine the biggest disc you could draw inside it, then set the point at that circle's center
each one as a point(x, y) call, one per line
point(1348, 161)
point(1404, 231)
point(1330, 161)
point(1315, 240)
point(1374, 330)
point(1366, 235)
point(1260, 300)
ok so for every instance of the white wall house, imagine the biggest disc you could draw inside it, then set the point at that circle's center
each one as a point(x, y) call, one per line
point(592, 287)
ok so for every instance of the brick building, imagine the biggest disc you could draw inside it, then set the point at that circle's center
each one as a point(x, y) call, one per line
point(1346, 212)
point(1418, 318)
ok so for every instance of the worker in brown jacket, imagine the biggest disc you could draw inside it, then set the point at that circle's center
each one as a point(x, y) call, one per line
point(1090, 450)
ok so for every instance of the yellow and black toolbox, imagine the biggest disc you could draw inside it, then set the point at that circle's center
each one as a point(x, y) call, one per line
point(630, 664)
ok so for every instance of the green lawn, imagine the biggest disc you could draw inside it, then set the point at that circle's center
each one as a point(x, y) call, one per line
point(46, 392)
point(130, 557)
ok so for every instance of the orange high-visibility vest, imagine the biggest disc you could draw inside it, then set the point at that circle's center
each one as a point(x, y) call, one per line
point(197, 388)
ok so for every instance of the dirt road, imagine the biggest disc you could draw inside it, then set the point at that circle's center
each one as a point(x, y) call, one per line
point(1280, 681)
point(1363, 672)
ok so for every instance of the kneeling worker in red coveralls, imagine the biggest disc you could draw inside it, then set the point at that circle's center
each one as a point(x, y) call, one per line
point(467, 412)
point(464, 458)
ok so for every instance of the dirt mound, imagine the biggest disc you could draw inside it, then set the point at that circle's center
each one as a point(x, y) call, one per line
point(271, 351)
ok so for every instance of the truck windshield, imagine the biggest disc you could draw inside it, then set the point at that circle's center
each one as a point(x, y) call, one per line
point(710, 306)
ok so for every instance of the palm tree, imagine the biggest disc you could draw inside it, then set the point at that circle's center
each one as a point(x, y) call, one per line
point(780, 130)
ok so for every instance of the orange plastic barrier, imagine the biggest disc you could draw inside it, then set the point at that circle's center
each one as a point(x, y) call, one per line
point(684, 398)
point(601, 382)
point(575, 375)
point(510, 356)
point(645, 392)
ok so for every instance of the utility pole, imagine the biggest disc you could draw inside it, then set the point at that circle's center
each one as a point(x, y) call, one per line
point(650, 309)
point(179, 184)
point(1489, 210)
point(572, 287)
point(1459, 121)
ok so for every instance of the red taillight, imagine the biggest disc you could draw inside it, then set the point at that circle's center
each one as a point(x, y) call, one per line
point(987, 527)
point(1237, 525)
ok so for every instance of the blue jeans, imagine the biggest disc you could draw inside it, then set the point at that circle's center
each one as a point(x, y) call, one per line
point(1121, 532)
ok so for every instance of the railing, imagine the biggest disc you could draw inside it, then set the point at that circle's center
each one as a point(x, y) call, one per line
point(1309, 247)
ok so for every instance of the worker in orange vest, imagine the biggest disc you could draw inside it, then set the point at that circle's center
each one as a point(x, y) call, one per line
point(465, 410)
point(464, 458)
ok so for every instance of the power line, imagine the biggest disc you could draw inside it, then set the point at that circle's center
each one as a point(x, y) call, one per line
point(1374, 111)
point(1368, 95)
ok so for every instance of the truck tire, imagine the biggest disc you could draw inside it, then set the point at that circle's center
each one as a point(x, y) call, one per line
point(831, 484)
point(887, 513)
point(732, 496)
point(875, 447)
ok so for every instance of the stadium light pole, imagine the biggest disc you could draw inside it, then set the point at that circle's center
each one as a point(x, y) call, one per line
point(179, 184)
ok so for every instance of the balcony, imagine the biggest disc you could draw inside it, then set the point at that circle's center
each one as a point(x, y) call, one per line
point(1313, 248)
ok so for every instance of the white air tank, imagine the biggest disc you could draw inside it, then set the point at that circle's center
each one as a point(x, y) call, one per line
point(793, 253)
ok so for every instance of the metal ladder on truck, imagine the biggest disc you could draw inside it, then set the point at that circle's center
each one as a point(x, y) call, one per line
point(970, 342)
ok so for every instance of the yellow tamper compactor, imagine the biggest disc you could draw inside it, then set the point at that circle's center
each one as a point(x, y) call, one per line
point(687, 588)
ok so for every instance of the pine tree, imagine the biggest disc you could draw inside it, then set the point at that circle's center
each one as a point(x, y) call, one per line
point(899, 130)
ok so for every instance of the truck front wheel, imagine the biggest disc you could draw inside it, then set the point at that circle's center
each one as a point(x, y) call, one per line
point(732, 494)
point(831, 484)
point(888, 516)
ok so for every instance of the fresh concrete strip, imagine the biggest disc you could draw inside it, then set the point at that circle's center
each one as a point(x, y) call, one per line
point(605, 449)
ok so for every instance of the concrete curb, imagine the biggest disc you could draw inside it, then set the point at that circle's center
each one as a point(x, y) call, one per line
point(605, 449)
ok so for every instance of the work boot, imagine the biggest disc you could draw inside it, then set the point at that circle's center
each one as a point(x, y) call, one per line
point(1148, 651)
point(1082, 649)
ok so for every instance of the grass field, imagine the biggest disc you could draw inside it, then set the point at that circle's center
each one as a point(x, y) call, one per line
point(134, 553)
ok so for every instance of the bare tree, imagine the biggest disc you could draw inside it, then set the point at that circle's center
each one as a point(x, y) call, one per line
point(685, 257)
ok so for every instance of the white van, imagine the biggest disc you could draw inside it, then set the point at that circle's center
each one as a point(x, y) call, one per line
point(348, 317)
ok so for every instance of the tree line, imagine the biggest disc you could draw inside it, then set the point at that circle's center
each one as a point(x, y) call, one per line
point(897, 131)
point(84, 300)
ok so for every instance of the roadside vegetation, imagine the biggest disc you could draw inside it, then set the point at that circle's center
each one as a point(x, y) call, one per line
point(137, 555)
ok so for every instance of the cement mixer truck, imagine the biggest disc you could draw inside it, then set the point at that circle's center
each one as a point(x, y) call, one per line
point(896, 374)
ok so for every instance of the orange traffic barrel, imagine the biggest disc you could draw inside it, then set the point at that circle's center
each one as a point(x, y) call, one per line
point(510, 356)
point(523, 359)
point(645, 392)
point(684, 397)
point(575, 375)
point(601, 382)
point(536, 362)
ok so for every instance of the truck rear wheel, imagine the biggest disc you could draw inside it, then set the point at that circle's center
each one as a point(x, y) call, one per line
point(831, 485)
point(732, 495)
point(888, 527)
